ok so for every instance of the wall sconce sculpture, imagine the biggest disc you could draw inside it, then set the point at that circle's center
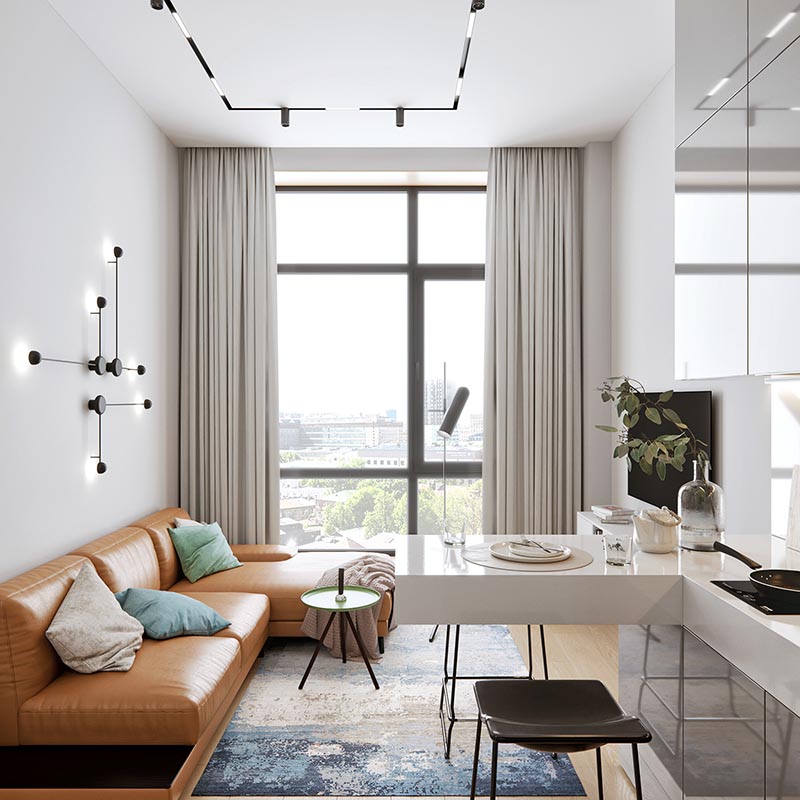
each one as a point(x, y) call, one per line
point(115, 366)
point(99, 365)
point(96, 364)
point(99, 406)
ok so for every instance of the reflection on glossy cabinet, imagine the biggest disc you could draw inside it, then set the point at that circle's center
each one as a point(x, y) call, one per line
point(710, 58)
point(650, 687)
point(774, 212)
point(783, 752)
point(711, 247)
point(723, 727)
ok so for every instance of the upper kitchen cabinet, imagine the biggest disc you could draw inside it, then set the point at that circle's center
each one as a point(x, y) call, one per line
point(774, 216)
point(711, 246)
point(773, 25)
point(710, 58)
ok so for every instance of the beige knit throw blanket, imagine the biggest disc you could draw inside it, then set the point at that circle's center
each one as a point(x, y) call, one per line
point(373, 570)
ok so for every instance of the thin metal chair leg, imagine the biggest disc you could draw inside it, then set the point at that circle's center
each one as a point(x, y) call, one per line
point(636, 771)
point(316, 650)
point(362, 649)
point(544, 653)
point(445, 669)
point(476, 759)
point(452, 719)
point(433, 633)
point(599, 774)
point(530, 655)
point(493, 795)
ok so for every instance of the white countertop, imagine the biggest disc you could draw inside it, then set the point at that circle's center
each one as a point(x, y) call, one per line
point(436, 585)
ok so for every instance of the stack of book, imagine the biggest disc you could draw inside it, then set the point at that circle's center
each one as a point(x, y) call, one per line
point(614, 514)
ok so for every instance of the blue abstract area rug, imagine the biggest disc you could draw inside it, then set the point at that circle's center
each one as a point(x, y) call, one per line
point(339, 737)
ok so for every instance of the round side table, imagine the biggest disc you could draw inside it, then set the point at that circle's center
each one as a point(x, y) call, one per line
point(355, 598)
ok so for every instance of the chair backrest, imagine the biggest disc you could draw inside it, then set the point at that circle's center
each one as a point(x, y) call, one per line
point(124, 559)
point(28, 661)
point(157, 526)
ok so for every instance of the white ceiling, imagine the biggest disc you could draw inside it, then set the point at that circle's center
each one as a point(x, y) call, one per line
point(539, 71)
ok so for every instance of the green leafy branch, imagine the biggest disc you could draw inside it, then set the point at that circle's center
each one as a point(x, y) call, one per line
point(652, 454)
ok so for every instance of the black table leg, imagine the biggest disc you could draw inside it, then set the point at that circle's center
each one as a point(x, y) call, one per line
point(316, 650)
point(361, 647)
point(344, 641)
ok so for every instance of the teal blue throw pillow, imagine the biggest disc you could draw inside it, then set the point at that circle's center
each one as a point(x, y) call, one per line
point(165, 615)
point(202, 550)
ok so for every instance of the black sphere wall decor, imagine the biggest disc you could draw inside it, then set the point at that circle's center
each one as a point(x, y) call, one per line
point(101, 366)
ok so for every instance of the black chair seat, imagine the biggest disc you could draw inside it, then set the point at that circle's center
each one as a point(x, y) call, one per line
point(554, 716)
point(572, 712)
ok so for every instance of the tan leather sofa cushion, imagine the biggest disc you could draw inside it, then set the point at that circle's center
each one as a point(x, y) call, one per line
point(28, 663)
point(263, 552)
point(282, 581)
point(123, 559)
point(247, 613)
point(157, 526)
point(169, 697)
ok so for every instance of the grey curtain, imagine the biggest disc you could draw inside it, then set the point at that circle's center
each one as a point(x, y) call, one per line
point(229, 397)
point(532, 403)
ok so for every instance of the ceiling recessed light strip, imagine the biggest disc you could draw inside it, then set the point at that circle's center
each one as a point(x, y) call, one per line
point(781, 25)
point(185, 31)
point(717, 86)
point(399, 111)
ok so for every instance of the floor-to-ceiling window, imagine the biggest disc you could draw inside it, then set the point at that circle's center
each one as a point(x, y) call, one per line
point(378, 290)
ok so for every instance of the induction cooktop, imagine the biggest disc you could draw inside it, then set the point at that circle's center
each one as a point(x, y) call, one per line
point(746, 592)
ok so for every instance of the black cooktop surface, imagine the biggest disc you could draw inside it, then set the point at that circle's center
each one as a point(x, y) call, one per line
point(745, 591)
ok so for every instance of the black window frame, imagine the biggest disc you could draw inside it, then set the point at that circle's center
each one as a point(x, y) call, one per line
point(417, 468)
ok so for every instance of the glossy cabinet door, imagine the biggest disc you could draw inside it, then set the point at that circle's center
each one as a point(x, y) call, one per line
point(650, 688)
point(783, 752)
point(711, 246)
point(774, 216)
point(710, 58)
point(772, 25)
point(723, 719)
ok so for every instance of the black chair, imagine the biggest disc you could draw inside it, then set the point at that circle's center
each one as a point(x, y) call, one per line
point(554, 717)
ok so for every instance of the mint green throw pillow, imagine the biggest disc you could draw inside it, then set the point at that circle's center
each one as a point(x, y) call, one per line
point(202, 550)
point(164, 615)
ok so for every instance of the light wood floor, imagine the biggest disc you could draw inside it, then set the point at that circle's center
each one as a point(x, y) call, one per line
point(573, 651)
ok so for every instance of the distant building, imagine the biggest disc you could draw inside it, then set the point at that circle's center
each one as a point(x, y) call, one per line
point(301, 432)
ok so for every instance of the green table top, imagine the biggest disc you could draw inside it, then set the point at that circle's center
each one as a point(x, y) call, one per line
point(324, 598)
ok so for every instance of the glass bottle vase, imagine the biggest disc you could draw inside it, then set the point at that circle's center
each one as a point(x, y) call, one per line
point(701, 506)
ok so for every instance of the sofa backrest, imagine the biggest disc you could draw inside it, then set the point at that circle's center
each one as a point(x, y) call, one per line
point(28, 661)
point(124, 559)
point(157, 526)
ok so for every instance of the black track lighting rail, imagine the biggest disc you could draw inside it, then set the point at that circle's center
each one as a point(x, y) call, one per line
point(285, 111)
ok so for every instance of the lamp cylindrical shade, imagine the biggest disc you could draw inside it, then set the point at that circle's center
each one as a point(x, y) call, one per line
point(453, 412)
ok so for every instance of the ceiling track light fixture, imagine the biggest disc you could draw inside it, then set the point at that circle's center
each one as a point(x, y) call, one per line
point(474, 7)
point(99, 405)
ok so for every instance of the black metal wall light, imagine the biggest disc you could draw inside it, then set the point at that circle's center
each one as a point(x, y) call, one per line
point(99, 365)
point(99, 405)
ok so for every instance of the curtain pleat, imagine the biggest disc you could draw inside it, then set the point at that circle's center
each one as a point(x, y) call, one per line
point(229, 401)
point(532, 403)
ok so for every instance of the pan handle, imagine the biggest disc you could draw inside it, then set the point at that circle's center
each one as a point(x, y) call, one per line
point(723, 548)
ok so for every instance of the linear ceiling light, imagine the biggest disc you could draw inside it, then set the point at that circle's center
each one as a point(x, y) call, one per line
point(781, 25)
point(184, 30)
point(717, 87)
point(474, 6)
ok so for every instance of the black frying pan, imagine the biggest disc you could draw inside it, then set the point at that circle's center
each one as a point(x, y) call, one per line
point(776, 585)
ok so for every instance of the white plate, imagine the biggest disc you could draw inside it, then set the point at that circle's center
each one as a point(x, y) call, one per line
point(502, 550)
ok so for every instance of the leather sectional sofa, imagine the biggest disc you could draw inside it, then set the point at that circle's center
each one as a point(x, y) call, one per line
point(168, 707)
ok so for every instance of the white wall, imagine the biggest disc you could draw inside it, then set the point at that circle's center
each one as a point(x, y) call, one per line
point(642, 314)
point(81, 167)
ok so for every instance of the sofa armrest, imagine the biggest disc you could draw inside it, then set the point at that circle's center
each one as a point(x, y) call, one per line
point(263, 552)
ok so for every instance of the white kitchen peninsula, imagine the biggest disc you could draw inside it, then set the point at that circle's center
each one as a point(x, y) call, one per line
point(687, 642)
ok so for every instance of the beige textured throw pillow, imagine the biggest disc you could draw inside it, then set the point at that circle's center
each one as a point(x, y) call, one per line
point(90, 631)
